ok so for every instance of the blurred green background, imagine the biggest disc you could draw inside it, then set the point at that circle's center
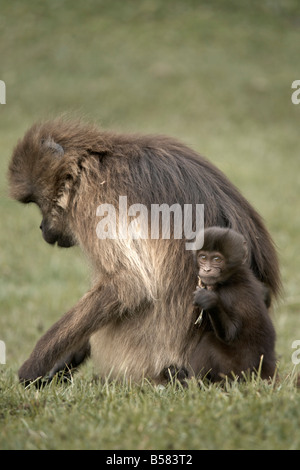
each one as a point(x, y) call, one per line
point(215, 74)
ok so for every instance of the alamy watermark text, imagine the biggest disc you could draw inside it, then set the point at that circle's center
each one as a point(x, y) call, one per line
point(2, 92)
point(163, 221)
point(2, 353)
point(296, 94)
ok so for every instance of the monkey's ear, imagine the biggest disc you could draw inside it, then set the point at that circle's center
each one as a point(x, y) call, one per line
point(56, 149)
point(245, 246)
point(194, 255)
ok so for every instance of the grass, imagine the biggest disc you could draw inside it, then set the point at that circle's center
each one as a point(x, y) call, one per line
point(218, 76)
point(89, 415)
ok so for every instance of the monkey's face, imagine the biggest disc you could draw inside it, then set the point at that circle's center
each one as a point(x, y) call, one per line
point(211, 267)
point(39, 173)
point(53, 234)
point(54, 224)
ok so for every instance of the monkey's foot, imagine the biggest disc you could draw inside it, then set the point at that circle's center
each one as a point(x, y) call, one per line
point(173, 374)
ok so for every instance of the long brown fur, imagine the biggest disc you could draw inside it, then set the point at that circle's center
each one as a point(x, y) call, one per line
point(138, 315)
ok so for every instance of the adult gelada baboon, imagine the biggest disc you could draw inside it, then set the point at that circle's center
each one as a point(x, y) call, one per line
point(138, 317)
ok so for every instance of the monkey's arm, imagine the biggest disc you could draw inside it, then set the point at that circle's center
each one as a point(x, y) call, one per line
point(222, 316)
point(72, 332)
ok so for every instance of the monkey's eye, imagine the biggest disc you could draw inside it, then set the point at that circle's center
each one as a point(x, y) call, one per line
point(217, 259)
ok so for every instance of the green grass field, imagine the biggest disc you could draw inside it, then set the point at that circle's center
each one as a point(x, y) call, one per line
point(216, 75)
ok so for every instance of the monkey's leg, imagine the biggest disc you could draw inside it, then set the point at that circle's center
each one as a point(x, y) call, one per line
point(216, 360)
point(225, 328)
point(208, 358)
point(71, 332)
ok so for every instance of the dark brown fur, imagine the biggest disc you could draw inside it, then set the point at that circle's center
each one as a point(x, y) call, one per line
point(138, 315)
point(236, 330)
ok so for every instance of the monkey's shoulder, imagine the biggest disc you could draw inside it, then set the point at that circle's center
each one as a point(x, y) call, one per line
point(241, 292)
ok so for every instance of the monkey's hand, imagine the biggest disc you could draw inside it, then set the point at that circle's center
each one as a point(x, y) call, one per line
point(66, 343)
point(69, 363)
point(205, 299)
point(29, 373)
